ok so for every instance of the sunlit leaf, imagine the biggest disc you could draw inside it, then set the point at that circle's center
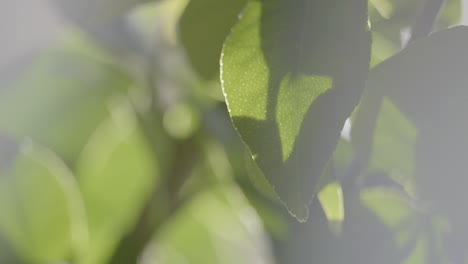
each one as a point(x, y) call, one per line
point(117, 172)
point(292, 73)
point(41, 211)
point(331, 199)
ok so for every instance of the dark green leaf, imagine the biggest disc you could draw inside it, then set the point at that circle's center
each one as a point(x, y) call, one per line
point(292, 73)
point(427, 82)
point(204, 26)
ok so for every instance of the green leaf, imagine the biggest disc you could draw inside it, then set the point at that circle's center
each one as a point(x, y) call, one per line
point(216, 226)
point(427, 82)
point(388, 142)
point(331, 199)
point(415, 231)
point(419, 253)
point(412, 79)
point(393, 144)
point(117, 172)
point(389, 205)
point(59, 99)
point(397, 212)
point(204, 26)
point(41, 211)
point(390, 18)
point(292, 72)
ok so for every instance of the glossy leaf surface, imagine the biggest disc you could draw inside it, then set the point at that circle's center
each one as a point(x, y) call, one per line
point(292, 72)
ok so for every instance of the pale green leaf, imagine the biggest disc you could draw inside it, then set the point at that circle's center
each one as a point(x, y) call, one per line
point(419, 253)
point(389, 205)
point(217, 226)
point(331, 199)
point(41, 211)
point(393, 144)
point(59, 99)
point(117, 172)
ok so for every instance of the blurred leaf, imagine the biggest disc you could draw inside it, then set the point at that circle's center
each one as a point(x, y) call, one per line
point(427, 82)
point(117, 172)
point(408, 223)
point(181, 121)
point(42, 214)
point(413, 78)
point(204, 26)
point(414, 231)
point(393, 145)
point(290, 86)
point(418, 254)
point(273, 220)
point(391, 18)
point(389, 205)
point(157, 22)
point(382, 48)
point(107, 22)
point(331, 199)
point(342, 155)
point(59, 99)
point(363, 238)
point(451, 13)
point(6, 253)
point(91, 12)
point(217, 226)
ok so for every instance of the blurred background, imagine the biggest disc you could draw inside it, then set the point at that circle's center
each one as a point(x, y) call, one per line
point(116, 147)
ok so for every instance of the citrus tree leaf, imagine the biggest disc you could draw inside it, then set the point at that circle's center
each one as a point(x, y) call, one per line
point(59, 99)
point(41, 211)
point(386, 144)
point(204, 26)
point(390, 18)
point(116, 172)
point(331, 199)
point(292, 73)
point(397, 209)
point(412, 79)
point(427, 83)
point(226, 230)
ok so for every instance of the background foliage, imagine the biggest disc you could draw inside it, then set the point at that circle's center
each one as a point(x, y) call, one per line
point(238, 131)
